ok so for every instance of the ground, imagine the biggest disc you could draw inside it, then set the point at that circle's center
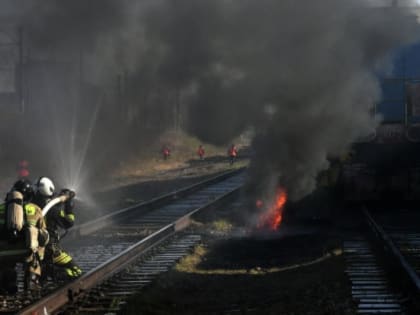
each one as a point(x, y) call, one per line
point(299, 270)
point(131, 190)
point(149, 175)
point(295, 270)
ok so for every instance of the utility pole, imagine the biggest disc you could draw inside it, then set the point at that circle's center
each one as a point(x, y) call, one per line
point(80, 77)
point(21, 84)
point(177, 110)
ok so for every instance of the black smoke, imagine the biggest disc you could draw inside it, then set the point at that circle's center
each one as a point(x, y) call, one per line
point(109, 75)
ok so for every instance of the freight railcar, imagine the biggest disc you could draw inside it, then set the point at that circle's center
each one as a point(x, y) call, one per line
point(386, 166)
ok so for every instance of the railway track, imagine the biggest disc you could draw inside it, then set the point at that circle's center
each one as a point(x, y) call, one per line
point(108, 246)
point(384, 269)
point(400, 235)
point(370, 286)
point(111, 296)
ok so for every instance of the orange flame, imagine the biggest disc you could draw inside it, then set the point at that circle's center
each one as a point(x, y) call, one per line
point(274, 214)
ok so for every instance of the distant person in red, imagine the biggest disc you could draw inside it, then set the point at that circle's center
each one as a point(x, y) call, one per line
point(166, 152)
point(23, 171)
point(232, 153)
point(201, 152)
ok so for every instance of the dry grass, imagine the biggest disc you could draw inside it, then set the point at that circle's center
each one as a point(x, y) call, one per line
point(222, 226)
point(150, 163)
point(183, 148)
point(189, 263)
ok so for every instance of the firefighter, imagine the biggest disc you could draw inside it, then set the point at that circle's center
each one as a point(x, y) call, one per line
point(232, 153)
point(60, 216)
point(201, 152)
point(23, 238)
point(166, 152)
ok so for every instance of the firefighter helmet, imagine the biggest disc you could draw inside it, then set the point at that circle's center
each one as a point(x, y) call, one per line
point(45, 186)
point(24, 186)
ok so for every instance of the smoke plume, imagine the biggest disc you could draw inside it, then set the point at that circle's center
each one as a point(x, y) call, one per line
point(105, 77)
point(303, 75)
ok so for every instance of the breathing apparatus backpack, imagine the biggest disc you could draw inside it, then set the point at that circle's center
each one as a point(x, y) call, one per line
point(13, 216)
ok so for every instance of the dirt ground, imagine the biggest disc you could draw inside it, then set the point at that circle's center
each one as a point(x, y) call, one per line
point(294, 271)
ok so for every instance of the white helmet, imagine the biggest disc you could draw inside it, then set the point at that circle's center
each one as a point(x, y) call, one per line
point(45, 186)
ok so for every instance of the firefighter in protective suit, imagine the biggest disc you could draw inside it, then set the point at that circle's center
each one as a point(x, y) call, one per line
point(23, 238)
point(60, 216)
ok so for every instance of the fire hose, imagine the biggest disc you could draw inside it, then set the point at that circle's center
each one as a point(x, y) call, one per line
point(67, 194)
point(62, 198)
point(52, 203)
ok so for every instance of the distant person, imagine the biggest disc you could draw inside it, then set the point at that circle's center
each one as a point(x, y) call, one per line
point(232, 153)
point(201, 152)
point(166, 152)
point(23, 169)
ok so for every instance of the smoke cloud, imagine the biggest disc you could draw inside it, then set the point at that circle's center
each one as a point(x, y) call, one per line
point(105, 78)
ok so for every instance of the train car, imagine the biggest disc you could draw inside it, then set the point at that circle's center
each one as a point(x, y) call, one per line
point(385, 166)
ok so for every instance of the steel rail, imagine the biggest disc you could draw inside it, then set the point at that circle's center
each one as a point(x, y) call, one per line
point(70, 292)
point(413, 276)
